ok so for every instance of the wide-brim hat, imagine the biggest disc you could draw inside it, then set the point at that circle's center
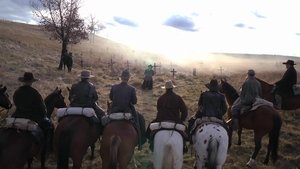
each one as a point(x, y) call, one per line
point(86, 74)
point(150, 66)
point(213, 84)
point(289, 62)
point(168, 85)
point(27, 77)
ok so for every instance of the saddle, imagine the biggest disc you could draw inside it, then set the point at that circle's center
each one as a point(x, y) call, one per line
point(258, 102)
point(25, 125)
point(115, 117)
point(154, 127)
point(85, 111)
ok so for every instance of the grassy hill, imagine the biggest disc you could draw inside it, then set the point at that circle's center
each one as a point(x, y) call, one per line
point(27, 48)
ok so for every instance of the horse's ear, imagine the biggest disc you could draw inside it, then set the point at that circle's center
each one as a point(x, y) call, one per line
point(68, 89)
point(56, 88)
point(59, 91)
point(4, 88)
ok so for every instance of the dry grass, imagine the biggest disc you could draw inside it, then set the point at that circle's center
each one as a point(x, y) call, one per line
point(26, 48)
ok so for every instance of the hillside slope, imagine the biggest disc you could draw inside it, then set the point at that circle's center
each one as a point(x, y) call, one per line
point(27, 48)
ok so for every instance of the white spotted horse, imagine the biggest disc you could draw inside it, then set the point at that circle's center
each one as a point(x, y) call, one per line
point(210, 141)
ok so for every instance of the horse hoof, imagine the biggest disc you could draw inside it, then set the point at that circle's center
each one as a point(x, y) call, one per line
point(251, 163)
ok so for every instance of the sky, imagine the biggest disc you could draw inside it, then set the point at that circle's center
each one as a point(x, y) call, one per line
point(186, 29)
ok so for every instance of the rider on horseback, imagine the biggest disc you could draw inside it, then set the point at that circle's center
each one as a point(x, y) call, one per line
point(251, 89)
point(170, 108)
point(30, 104)
point(284, 87)
point(84, 94)
point(212, 103)
point(123, 97)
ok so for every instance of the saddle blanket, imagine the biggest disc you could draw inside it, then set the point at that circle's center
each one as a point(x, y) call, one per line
point(20, 123)
point(167, 125)
point(116, 116)
point(206, 120)
point(260, 102)
point(85, 111)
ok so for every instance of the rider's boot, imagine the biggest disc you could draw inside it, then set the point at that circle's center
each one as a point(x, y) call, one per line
point(278, 101)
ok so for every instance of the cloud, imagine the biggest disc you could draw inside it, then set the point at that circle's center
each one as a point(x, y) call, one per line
point(125, 21)
point(258, 15)
point(240, 25)
point(16, 10)
point(181, 22)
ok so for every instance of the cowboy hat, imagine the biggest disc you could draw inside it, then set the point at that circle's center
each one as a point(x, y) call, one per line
point(251, 72)
point(213, 84)
point(86, 74)
point(168, 85)
point(289, 62)
point(27, 77)
point(125, 74)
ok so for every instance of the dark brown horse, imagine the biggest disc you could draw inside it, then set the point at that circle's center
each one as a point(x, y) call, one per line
point(72, 137)
point(264, 120)
point(118, 142)
point(4, 98)
point(288, 102)
point(19, 146)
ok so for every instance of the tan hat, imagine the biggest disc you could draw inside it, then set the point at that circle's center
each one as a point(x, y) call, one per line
point(168, 85)
point(86, 74)
point(27, 77)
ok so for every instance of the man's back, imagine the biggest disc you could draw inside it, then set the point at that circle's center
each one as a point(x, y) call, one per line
point(250, 90)
point(212, 104)
point(83, 94)
point(29, 104)
point(169, 106)
point(122, 96)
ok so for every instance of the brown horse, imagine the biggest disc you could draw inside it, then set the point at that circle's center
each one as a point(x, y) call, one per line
point(118, 142)
point(19, 146)
point(72, 137)
point(264, 120)
point(288, 102)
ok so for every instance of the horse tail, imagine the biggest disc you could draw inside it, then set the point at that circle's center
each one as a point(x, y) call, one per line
point(114, 146)
point(212, 151)
point(274, 137)
point(63, 150)
point(167, 158)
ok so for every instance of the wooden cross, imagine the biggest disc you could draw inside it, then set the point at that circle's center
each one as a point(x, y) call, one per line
point(127, 64)
point(110, 64)
point(173, 72)
point(221, 70)
point(155, 66)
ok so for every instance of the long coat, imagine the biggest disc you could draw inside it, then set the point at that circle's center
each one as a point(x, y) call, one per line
point(284, 87)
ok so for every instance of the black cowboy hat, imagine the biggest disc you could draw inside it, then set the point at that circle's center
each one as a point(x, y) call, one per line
point(289, 62)
point(213, 84)
point(27, 77)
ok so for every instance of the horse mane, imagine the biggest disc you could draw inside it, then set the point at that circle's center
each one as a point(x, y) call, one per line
point(263, 82)
point(230, 90)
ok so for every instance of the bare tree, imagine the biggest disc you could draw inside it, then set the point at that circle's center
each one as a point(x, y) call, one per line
point(61, 18)
point(94, 26)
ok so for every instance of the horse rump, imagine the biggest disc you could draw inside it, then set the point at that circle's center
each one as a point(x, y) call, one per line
point(113, 152)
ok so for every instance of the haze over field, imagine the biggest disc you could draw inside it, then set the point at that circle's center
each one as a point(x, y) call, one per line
point(185, 31)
